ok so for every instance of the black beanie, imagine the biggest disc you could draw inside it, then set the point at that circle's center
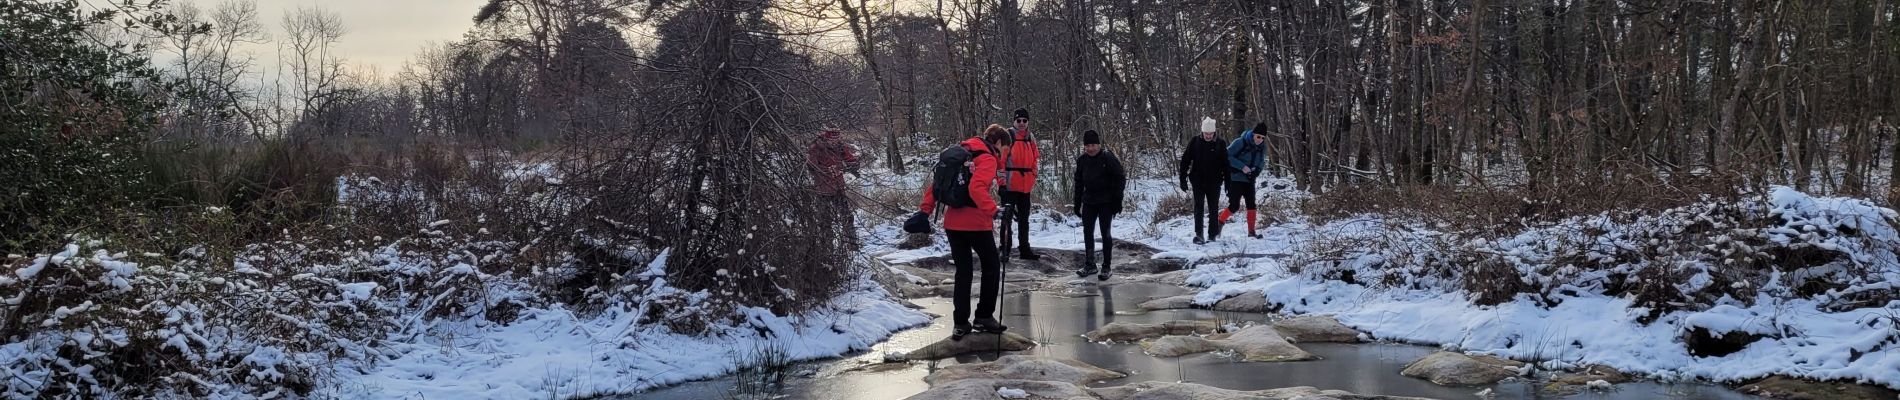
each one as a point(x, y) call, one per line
point(1260, 128)
point(1090, 137)
point(1022, 113)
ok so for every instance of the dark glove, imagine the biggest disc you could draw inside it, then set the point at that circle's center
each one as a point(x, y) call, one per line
point(1184, 185)
point(918, 223)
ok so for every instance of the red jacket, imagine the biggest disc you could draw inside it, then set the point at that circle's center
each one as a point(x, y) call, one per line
point(1022, 163)
point(828, 158)
point(982, 180)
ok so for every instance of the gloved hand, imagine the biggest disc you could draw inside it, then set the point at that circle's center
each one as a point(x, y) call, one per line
point(918, 223)
point(1184, 185)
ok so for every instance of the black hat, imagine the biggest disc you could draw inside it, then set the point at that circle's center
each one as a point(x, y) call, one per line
point(1022, 113)
point(1090, 137)
point(1260, 128)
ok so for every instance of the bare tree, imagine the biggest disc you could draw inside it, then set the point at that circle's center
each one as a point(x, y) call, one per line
point(315, 71)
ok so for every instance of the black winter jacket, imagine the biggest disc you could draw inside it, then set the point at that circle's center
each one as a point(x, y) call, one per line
point(1205, 161)
point(1099, 181)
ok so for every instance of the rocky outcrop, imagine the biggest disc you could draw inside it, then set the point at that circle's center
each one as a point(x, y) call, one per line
point(1457, 369)
point(973, 343)
point(1253, 344)
point(1173, 391)
point(986, 389)
point(1264, 344)
point(1176, 278)
point(1019, 367)
point(948, 289)
point(1249, 302)
point(1176, 346)
point(1591, 374)
point(1781, 387)
point(1169, 303)
point(1315, 329)
point(1128, 332)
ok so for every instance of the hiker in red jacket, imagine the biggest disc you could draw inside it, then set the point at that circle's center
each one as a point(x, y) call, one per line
point(829, 158)
point(1021, 169)
point(968, 229)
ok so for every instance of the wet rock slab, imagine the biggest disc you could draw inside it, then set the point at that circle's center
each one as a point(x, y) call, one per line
point(1020, 367)
point(1175, 391)
point(950, 289)
point(1128, 331)
point(1315, 329)
point(1176, 278)
point(1592, 374)
point(1264, 344)
point(985, 389)
point(1253, 344)
point(1250, 302)
point(1781, 387)
point(1176, 346)
point(1457, 369)
point(972, 343)
point(1185, 301)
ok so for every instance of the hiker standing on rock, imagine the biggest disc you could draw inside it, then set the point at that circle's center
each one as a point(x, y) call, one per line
point(1203, 168)
point(1020, 180)
point(961, 183)
point(829, 159)
point(1099, 181)
point(1245, 157)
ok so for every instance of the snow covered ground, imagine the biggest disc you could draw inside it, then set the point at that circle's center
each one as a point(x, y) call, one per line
point(555, 353)
point(1574, 315)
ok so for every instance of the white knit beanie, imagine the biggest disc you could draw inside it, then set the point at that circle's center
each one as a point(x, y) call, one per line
point(1207, 125)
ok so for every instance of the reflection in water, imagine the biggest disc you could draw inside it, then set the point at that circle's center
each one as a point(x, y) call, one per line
point(1057, 322)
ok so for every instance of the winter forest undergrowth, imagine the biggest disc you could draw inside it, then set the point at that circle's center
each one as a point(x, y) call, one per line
point(584, 198)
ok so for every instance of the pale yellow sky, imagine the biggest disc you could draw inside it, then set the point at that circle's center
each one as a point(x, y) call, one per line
point(382, 33)
point(385, 34)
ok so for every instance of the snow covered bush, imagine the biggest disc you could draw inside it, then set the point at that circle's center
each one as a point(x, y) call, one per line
point(1780, 243)
point(85, 322)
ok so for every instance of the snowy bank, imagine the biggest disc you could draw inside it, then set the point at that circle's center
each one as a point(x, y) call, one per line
point(1778, 284)
point(555, 352)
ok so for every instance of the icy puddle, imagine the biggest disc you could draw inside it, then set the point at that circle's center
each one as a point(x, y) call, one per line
point(1056, 321)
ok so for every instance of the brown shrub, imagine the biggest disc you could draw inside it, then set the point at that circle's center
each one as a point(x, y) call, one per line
point(1172, 205)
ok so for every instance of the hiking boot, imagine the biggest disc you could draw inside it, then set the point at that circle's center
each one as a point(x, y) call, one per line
point(1199, 240)
point(1086, 270)
point(1103, 276)
point(988, 325)
point(957, 334)
point(1029, 256)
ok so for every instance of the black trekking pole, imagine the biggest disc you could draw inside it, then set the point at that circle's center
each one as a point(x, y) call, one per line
point(1002, 272)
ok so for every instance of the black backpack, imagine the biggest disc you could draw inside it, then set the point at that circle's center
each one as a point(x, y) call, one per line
point(950, 184)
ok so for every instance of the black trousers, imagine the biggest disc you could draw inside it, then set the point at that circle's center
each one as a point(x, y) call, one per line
point(1092, 217)
point(839, 219)
point(1237, 190)
point(1019, 210)
point(981, 245)
point(1207, 206)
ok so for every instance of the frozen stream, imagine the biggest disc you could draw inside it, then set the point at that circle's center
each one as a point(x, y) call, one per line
point(1056, 320)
